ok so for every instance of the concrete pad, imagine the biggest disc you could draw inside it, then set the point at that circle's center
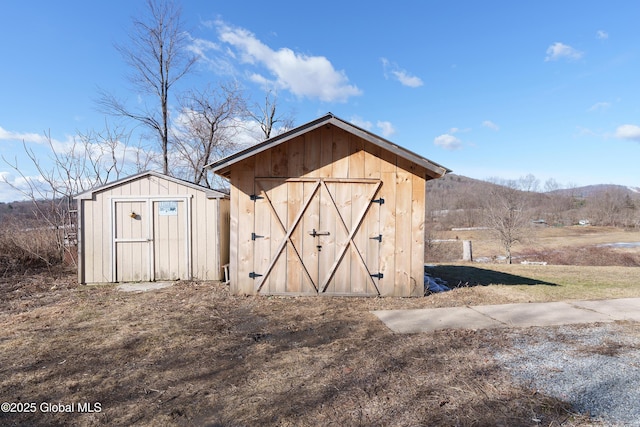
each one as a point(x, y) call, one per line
point(510, 315)
point(432, 319)
point(618, 309)
point(541, 314)
point(143, 286)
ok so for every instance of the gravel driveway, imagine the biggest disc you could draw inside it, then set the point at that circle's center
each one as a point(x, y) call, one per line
point(595, 367)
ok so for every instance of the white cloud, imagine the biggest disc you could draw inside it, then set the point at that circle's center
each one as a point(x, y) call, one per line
point(489, 124)
point(260, 79)
point(386, 128)
point(399, 74)
point(361, 123)
point(599, 106)
point(448, 142)
point(602, 35)
point(18, 136)
point(631, 132)
point(8, 194)
point(407, 79)
point(303, 75)
point(582, 131)
point(16, 188)
point(562, 51)
point(217, 63)
point(200, 47)
point(40, 139)
point(458, 130)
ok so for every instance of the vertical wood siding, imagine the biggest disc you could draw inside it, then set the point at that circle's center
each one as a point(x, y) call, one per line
point(329, 152)
point(209, 231)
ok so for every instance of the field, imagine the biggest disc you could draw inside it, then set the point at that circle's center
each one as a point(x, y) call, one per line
point(192, 354)
point(556, 245)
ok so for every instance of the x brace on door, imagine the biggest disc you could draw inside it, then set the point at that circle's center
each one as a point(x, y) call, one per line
point(287, 237)
point(350, 242)
point(322, 183)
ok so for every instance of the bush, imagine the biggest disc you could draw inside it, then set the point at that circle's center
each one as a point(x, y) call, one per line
point(443, 251)
point(26, 244)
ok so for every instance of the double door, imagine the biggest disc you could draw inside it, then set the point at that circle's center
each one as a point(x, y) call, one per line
point(317, 236)
point(150, 239)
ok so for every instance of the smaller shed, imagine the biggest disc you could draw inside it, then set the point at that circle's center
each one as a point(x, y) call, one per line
point(149, 227)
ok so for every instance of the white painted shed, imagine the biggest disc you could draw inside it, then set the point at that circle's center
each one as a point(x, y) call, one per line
point(150, 227)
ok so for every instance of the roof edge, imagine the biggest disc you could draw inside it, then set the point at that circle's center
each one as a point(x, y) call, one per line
point(210, 193)
point(221, 166)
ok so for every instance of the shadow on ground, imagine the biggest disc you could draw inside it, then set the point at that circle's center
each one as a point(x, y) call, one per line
point(463, 275)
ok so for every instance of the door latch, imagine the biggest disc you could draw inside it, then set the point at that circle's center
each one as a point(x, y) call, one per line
point(315, 233)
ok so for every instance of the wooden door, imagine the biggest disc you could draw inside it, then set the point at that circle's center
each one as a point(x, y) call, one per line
point(317, 236)
point(170, 257)
point(132, 241)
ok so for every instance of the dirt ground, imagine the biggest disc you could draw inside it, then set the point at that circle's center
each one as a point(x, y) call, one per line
point(191, 354)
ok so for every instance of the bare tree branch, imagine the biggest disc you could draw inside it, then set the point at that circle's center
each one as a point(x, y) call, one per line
point(158, 58)
point(90, 160)
point(506, 214)
point(209, 124)
point(268, 117)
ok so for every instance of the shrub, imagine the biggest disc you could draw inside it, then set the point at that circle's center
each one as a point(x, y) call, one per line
point(443, 251)
point(26, 244)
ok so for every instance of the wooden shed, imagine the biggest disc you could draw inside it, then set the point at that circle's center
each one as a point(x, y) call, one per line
point(327, 208)
point(150, 227)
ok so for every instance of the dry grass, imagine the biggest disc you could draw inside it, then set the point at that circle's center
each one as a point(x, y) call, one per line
point(24, 246)
point(503, 283)
point(192, 354)
point(555, 245)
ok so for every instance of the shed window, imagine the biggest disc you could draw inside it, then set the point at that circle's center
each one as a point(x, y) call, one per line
point(168, 208)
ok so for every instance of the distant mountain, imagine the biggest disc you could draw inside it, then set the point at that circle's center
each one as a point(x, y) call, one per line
point(454, 181)
point(457, 182)
point(593, 190)
point(457, 201)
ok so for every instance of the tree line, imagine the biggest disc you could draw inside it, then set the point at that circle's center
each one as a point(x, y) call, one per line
point(509, 208)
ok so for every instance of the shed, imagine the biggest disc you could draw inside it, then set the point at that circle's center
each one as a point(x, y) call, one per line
point(149, 227)
point(327, 208)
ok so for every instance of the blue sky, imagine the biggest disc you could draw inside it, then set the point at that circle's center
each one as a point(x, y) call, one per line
point(488, 89)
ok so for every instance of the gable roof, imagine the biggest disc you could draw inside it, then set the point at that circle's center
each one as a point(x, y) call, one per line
point(223, 166)
point(211, 194)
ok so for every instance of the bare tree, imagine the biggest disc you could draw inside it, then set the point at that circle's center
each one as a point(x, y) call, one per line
point(90, 160)
point(528, 183)
point(506, 214)
point(158, 58)
point(208, 125)
point(558, 202)
point(268, 117)
point(610, 207)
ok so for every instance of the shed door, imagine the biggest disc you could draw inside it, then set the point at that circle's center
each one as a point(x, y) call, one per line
point(132, 241)
point(317, 236)
point(170, 257)
point(150, 240)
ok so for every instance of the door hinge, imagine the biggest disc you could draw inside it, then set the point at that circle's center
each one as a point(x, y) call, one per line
point(378, 238)
point(253, 275)
point(377, 275)
point(379, 201)
point(254, 197)
point(255, 236)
